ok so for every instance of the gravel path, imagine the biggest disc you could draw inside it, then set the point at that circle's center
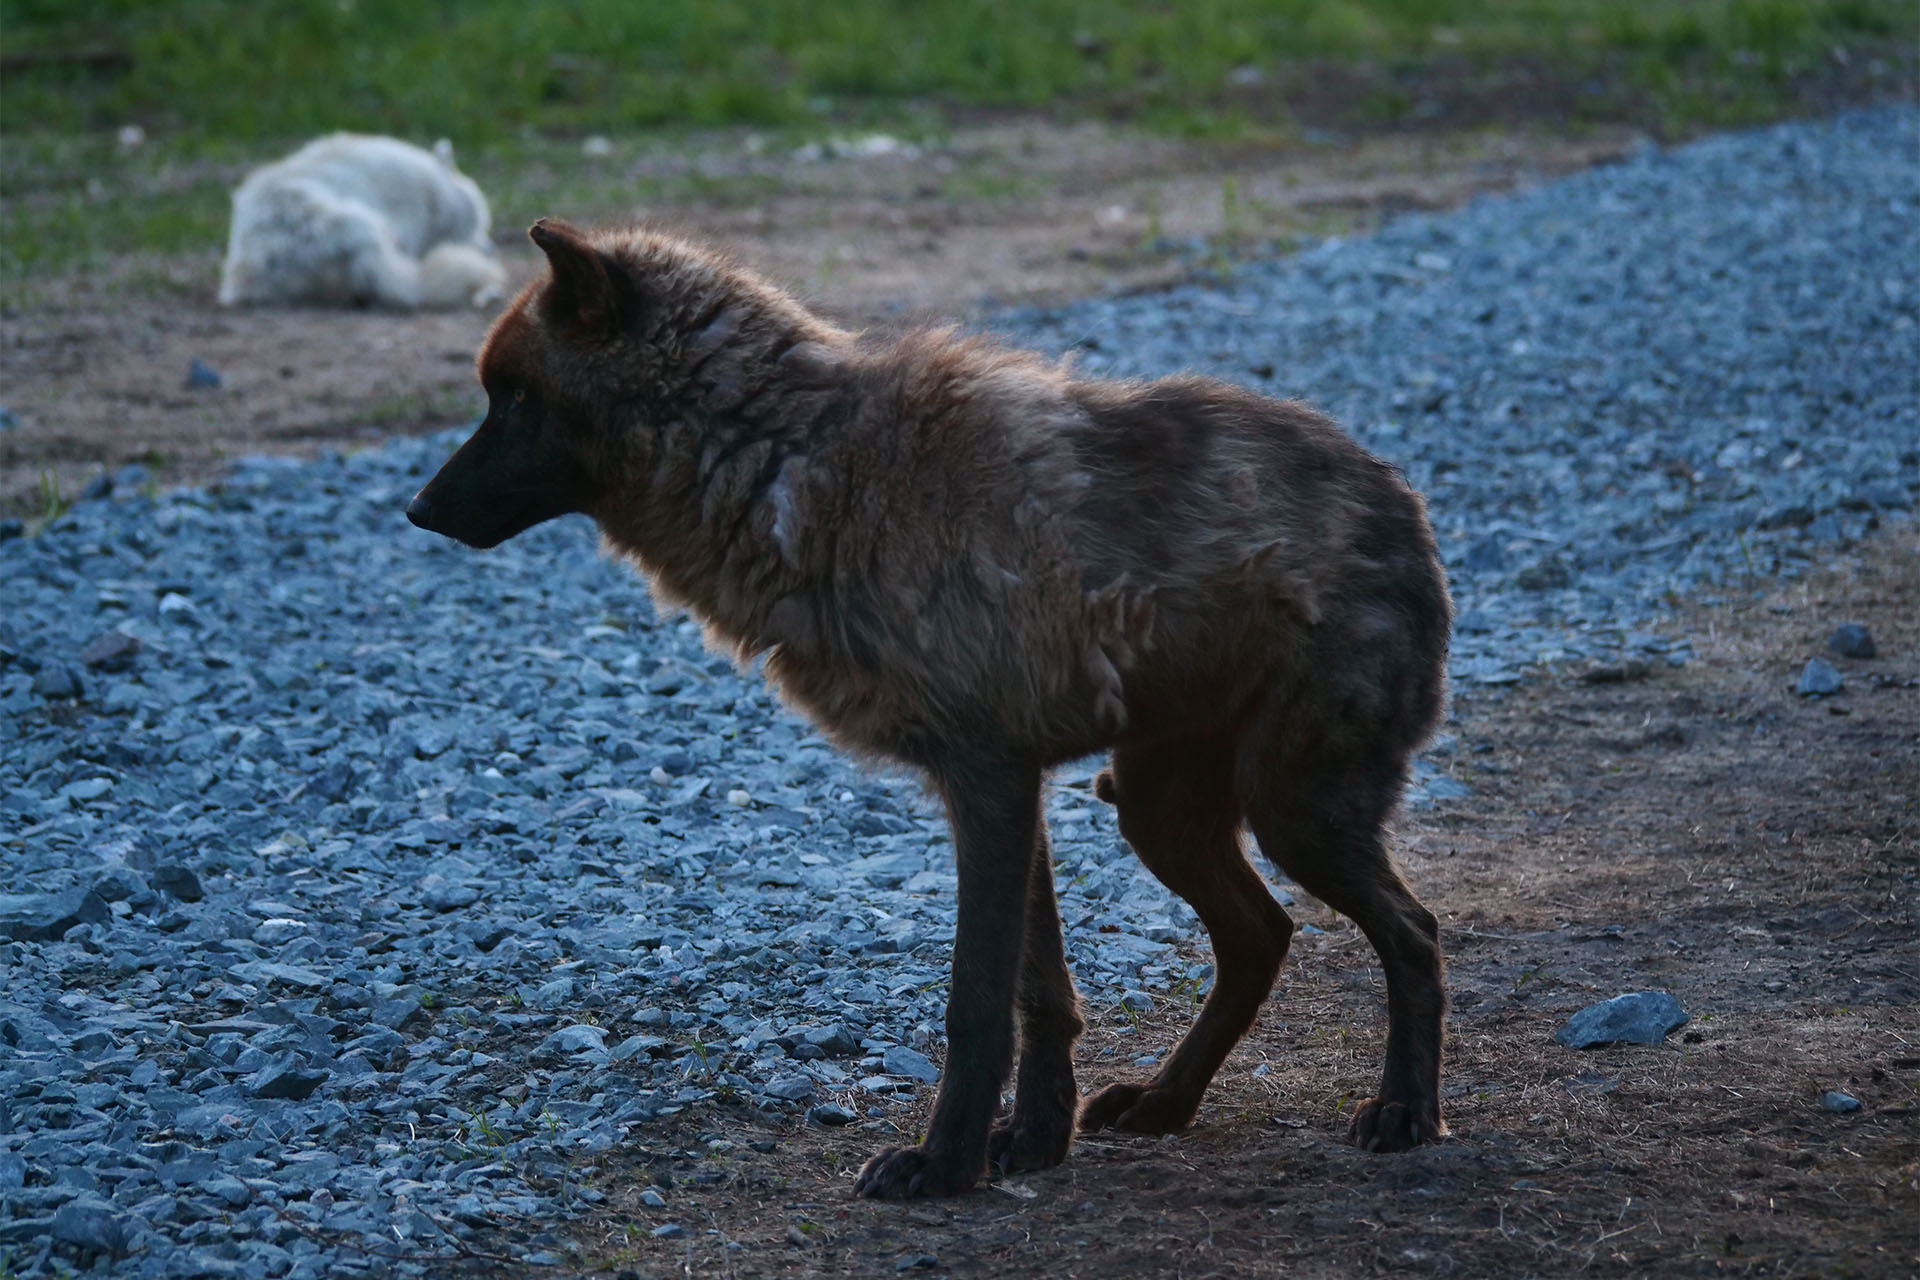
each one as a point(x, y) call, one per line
point(357, 883)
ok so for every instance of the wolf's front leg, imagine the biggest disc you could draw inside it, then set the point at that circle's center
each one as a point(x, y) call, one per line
point(995, 811)
point(1039, 1131)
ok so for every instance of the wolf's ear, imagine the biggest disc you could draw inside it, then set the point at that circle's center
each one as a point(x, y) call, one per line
point(584, 296)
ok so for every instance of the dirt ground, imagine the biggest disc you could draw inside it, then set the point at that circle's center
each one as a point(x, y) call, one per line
point(1701, 830)
point(93, 366)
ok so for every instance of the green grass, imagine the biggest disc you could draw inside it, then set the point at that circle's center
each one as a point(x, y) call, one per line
point(483, 69)
point(218, 85)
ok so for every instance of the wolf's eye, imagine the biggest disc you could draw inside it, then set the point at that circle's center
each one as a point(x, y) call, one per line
point(519, 395)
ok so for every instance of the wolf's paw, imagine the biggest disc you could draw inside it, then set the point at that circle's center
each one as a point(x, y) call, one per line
point(1384, 1125)
point(905, 1173)
point(1020, 1144)
point(1136, 1108)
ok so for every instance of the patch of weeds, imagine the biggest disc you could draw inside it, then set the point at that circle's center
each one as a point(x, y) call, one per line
point(1232, 216)
point(488, 1131)
point(987, 187)
point(704, 1052)
point(1153, 235)
point(53, 503)
point(440, 406)
point(1385, 105)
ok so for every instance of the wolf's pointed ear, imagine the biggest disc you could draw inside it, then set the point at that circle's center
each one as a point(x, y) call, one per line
point(584, 296)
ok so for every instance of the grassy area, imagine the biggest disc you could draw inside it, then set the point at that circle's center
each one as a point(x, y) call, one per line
point(218, 84)
point(486, 68)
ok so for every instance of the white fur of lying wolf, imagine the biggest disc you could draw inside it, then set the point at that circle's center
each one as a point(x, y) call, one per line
point(357, 220)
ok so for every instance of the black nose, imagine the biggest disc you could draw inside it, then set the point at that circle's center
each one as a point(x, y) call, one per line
point(420, 511)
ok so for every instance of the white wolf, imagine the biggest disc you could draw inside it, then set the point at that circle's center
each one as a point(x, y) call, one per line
point(355, 220)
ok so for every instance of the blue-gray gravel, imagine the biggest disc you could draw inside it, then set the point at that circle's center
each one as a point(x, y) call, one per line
point(380, 880)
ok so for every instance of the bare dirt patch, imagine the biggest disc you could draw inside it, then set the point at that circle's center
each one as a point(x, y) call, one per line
point(1701, 830)
point(94, 366)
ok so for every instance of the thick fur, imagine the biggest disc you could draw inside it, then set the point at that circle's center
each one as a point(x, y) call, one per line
point(352, 221)
point(965, 558)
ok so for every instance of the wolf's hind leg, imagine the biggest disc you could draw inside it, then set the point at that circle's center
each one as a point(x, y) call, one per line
point(1323, 824)
point(1177, 810)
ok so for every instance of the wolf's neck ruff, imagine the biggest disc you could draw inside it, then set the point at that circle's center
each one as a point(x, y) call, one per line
point(823, 500)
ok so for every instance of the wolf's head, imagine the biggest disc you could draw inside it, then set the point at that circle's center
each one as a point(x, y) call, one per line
point(647, 382)
point(553, 373)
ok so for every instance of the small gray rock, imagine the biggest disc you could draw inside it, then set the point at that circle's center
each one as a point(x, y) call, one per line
point(202, 376)
point(1486, 555)
point(1621, 672)
point(636, 1045)
point(395, 1014)
point(1641, 1017)
point(85, 789)
point(1548, 574)
point(1852, 640)
point(333, 783)
point(292, 975)
point(669, 1231)
point(1842, 1103)
point(1137, 1001)
point(442, 894)
point(432, 741)
point(555, 993)
point(228, 1189)
point(56, 680)
point(831, 1114)
point(90, 1223)
point(119, 884)
point(278, 930)
point(111, 651)
point(581, 1037)
point(38, 917)
point(794, 1088)
point(1786, 515)
point(899, 1060)
point(288, 1077)
point(835, 1040)
point(177, 881)
point(1818, 679)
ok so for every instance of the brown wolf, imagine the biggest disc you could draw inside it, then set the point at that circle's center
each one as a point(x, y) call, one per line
point(963, 557)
